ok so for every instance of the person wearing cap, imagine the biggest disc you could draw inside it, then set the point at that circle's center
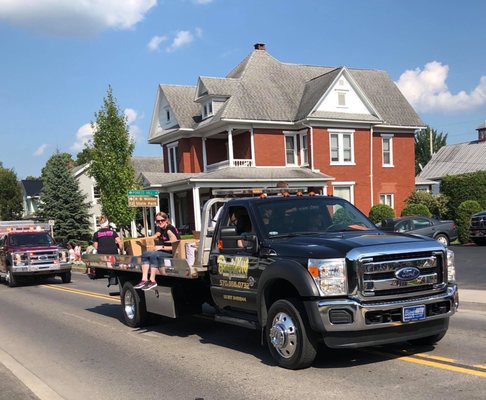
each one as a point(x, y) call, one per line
point(106, 240)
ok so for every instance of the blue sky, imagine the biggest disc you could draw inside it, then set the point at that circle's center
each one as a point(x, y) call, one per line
point(57, 58)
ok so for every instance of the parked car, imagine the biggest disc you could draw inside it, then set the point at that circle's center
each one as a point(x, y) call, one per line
point(477, 228)
point(444, 231)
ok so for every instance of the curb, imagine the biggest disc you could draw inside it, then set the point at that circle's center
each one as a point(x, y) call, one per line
point(472, 296)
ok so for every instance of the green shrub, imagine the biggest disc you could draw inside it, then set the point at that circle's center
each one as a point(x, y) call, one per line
point(379, 212)
point(460, 188)
point(437, 204)
point(463, 216)
point(416, 209)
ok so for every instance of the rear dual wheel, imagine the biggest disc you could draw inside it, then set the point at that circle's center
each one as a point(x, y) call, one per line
point(133, 305)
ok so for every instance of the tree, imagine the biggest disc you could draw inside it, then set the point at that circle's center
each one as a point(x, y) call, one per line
point(64, 157)
point(422, 146)
point(84, 156)
point(62, 200)
point(11, 206)
point(437, 204)
point(111, 161)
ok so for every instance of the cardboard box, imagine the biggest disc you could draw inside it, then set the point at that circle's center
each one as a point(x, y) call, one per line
point(135, 247)
point(179, 249)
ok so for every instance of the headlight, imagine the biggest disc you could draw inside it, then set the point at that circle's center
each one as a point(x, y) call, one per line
point(20, 259)
point(329, 275)
point(451, 266)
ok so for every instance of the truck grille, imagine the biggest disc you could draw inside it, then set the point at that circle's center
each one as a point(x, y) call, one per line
point(380, 275)
point(478, 222)
point(43, 257)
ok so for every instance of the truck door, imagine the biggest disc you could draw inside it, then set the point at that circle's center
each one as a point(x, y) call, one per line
point(234, 271)
point(3, 261)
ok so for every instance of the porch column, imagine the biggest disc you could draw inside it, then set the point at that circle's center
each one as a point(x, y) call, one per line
point(230, 148)
point(205, 159)
point(172, 208)
point(197, 208)
point(252, 147)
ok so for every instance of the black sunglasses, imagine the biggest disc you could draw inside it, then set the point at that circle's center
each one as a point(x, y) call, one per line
point(160, 220)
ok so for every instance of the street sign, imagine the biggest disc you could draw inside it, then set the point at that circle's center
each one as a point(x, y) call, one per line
point(143, 201)
point(51, 222)
point(143, 192)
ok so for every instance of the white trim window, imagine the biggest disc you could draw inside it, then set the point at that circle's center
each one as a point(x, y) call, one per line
point(96, 193)
point(173, 157)
point(304, 149)
point(290, 149)
point(168, 115)
point(344, 190)
point(207, 110)
point(341, 145)
point(341, 99)
point(387, 150)
point(387, 199)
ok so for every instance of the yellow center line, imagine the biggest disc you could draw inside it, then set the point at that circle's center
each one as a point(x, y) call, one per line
point(438, 358)
point(480, 366)
point(440, 365)
point(82, 292)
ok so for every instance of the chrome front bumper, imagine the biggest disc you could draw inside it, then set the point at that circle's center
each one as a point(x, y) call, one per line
point(320, 311)
point(41, 269)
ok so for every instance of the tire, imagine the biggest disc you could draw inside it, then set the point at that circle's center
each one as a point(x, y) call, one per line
point(66, 277)
point(289, 338)
point(443, 239)
point(428, 340)
point(10, 278)
point(133, 305)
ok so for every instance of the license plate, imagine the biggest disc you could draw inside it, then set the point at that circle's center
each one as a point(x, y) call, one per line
point(413, 313)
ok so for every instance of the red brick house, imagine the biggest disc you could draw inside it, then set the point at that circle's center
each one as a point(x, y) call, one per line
point(342, 131)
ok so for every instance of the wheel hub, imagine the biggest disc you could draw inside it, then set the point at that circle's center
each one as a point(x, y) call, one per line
point(283, 335)
point(129, 305)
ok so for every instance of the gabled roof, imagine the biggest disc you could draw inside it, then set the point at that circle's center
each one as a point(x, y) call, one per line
point(147, 164)
point(456, 159)
point(32, 187)
point(263, 88)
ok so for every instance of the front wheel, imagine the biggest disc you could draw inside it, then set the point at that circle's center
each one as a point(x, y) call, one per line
point(289, 338)
point(66, 277)
point(442, 239)
point(10, 278)
point(133, 305)
point(428, 341)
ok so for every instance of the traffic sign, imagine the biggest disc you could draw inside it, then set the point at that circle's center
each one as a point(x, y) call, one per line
point(143, 192)
point(51, 222)
point(143, 201)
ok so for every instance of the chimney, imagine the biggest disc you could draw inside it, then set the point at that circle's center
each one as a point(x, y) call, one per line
point(259, 46)
point(482, 132)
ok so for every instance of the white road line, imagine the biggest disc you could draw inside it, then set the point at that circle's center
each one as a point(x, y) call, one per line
point(33, 382)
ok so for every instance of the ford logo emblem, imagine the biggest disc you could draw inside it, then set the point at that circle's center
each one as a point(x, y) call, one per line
point(407, 273)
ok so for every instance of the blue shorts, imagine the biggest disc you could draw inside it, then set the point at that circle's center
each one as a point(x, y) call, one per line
point(154, 258)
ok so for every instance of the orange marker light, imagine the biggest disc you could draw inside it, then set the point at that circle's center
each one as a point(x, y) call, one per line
point(314, 271)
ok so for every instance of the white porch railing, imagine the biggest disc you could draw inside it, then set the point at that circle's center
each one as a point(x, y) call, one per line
point(225, 163)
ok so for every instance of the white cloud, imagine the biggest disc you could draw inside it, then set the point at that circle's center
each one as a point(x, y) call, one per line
point(154, 44)
point(40, 150)
point(199, 32)
point(135, 132)
point(427, 90)
point(203, 1)
point(83, 136)
point(74, 17)
point(182, 38)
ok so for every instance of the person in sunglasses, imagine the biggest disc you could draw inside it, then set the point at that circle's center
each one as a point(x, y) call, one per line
point(165, 235)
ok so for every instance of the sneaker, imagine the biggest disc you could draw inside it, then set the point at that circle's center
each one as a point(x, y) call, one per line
point(150, 285)
point(140, 285)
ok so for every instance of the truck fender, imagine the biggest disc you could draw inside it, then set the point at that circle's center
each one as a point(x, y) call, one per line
point(294, 274)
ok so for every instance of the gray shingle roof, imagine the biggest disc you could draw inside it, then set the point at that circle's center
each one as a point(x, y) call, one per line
point(32, 187)
point(263, 88)
point(456, 159)
point(147, 164)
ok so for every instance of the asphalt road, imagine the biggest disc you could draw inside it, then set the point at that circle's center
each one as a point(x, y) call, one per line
point(69, 342)
point(470, 266)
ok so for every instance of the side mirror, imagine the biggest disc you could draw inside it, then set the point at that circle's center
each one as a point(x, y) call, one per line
point(251, 242)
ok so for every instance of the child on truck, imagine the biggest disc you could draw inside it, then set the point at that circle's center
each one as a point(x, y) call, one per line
point(165, 235)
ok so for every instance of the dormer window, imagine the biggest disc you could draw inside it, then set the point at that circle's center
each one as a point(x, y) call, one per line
point(207, 109)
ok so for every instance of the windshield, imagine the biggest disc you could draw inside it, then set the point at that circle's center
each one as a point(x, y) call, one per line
point(310, 215)
point(31, 239)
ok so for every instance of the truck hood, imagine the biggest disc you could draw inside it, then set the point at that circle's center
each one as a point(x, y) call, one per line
point(20, 249)
point(338, 245)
